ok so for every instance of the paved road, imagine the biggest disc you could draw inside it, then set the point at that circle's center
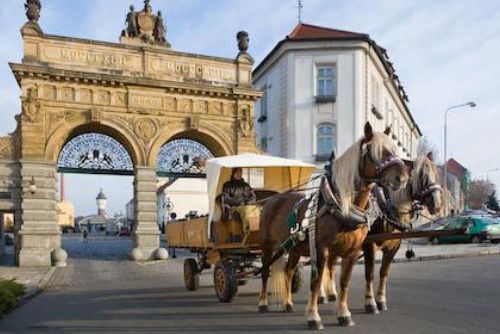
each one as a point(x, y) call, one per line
point(96, 295)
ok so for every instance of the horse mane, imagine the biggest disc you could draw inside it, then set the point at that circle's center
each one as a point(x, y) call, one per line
point(422, 164)
point(346, 167)
point(403, 198)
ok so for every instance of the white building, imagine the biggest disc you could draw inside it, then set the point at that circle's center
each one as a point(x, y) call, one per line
point(320, 87)
point(184, 195)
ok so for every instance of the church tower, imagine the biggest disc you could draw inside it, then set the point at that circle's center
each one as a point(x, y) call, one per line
point(101, 203)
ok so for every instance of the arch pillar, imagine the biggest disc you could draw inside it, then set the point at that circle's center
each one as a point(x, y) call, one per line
point(39, 234)
point(145, 234)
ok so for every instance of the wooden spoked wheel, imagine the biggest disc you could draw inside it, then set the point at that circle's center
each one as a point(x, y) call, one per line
point(225, 282)
point(191, 275)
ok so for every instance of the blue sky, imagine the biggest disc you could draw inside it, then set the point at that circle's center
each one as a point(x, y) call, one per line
point(445, 53)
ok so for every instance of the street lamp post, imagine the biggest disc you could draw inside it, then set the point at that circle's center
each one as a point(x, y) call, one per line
point(445, 174)
point(168, 207)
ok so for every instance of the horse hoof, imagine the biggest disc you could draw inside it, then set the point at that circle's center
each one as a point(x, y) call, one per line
point(332, 298)
point(315, 325)
point(371, 309)
point(289, 308)
point(346, 321)
point(321, 300)
point(263, 309)
point(382, 306)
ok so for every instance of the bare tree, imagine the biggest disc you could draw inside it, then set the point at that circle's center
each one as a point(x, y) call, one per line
point(479, 191)
point(425, 146)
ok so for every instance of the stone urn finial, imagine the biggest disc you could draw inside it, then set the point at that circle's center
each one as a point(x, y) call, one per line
point(33, 8)
point(243, 41)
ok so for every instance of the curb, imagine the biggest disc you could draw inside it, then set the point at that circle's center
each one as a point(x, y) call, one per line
point(33, 292)
point(439, 257)
point(449, 256)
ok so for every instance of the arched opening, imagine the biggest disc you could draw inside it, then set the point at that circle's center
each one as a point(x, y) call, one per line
point(181, 161)
point(182, 157)
point(94, 153)
point(98, 217)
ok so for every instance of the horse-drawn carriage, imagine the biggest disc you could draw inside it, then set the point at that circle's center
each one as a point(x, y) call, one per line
point(341, 219)
point(218, 239)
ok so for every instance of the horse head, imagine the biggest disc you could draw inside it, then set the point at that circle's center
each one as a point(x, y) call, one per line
point(425, 185)
point(380, 161)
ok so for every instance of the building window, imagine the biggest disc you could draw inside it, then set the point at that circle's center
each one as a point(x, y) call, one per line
point(325, 141)
point(325, 82)
point(263, 143)
point(375, 92)
point(386, 112)
point(263, 107)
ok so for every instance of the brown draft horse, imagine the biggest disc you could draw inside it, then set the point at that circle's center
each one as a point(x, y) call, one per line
point(424, 188)
point(371, 159)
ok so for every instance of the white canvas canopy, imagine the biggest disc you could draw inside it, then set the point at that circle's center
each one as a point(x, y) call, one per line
point(279, 174)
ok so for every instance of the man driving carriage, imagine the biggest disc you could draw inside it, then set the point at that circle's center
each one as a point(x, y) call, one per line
point(239, 200)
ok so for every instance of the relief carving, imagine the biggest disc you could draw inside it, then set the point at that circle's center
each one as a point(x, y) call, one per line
point(145, 128)
point(6, 147)
point(215, 108)
point(121, 99)
point(31, 106)
point(50, 92)
point(86, 95)
point(184, 105)
point(200, 107)
point(60, 116)
point(68, 94)
point(104, 98)
point(95, 115)
point(144, 101)
point(169, 103)
point(193, 122)
point(246, 122)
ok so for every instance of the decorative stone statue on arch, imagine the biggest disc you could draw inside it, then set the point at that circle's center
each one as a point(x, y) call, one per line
point(138, 93)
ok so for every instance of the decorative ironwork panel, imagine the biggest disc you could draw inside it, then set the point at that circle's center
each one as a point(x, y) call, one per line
point(183, 156)
point(95, 152)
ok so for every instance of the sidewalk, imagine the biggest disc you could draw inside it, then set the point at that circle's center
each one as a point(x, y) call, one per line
point(35, 279)
point(428, 252)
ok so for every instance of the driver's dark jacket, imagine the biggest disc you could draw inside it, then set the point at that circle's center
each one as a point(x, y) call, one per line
point(238, 192)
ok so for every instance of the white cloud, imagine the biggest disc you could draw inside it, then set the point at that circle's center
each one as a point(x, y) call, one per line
point(446, 52)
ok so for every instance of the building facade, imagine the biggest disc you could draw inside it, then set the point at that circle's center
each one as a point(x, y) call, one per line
point(320, 86)
point(115, 108)
point(183, 197)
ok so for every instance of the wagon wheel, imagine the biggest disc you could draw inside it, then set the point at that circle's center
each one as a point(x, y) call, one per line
point(191, 275)
point(297, 279)
point(225, 282)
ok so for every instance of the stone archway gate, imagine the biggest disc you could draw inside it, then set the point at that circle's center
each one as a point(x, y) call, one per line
point(140, 94)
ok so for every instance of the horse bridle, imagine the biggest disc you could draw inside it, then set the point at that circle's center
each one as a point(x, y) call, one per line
point(380, 167)
point(430, 190)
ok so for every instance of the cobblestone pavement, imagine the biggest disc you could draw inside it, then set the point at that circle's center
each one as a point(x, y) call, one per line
point(104, 259)
point(453, 296)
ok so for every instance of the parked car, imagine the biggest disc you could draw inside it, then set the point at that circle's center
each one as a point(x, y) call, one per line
point(479, 229)
point(124, 232)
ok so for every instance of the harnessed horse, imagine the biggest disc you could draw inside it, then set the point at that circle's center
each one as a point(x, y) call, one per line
point(424, 189)
point(371, 160)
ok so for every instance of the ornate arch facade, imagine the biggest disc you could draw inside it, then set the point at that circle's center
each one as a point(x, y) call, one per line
point(138, 92)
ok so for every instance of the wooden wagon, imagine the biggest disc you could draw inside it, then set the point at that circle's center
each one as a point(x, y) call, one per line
point(217, 239)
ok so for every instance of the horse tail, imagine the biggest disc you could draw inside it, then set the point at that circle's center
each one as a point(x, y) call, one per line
point(278, 278)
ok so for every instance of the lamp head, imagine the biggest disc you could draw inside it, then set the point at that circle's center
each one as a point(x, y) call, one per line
point(32, 186)
point(471, 104)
